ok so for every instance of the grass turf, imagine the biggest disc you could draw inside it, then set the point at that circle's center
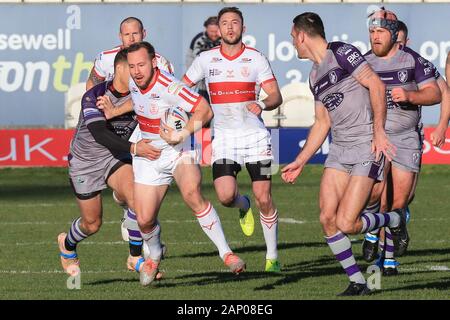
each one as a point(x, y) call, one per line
point(37, 203)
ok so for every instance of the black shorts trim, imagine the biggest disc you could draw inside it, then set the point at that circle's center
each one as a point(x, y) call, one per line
point(116, 167)
point(258, 171)
point(84, 196)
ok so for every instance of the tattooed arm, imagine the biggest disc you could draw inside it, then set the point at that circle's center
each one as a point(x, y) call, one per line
point(94, 79)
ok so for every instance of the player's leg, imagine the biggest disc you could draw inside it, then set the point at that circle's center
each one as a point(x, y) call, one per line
point(403, 183)
point(374, 238)
point(188, 178)
point(87, 224)
point(122, 183)
point(224, 174)
point(260, 174)
point(332, 187)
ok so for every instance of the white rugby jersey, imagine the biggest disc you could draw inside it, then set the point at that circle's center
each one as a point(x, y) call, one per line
point(151, 103)
point(232, 83)
point(104, 63)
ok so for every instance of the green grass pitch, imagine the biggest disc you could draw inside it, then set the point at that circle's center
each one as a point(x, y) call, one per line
point(37, 204)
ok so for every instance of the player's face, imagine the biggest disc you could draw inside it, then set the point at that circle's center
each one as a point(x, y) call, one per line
point(231, 28)
point(297, 42)
point(212, 31)
point(380, 40)
point(130, 33)
point(141, 67)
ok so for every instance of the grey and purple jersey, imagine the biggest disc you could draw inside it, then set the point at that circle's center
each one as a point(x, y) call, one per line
point(332, 82)
point(83, 145)
point(407, 70)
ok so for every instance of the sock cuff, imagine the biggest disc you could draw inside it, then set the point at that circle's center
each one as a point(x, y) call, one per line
point(131, 214)
point(205, 212)
point(269, 219)
point(336, 237)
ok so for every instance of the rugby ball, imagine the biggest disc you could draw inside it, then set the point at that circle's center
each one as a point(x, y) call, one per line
point(176, 118)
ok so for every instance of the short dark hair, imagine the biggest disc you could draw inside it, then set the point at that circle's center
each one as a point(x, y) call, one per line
point(120, 57)
point(129, 19)
point(211, 21)
point(230, 9)
point(310, 23)
point(143, 44)
point(402, 27)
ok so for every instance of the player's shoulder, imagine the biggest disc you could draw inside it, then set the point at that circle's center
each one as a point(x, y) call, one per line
point(413, 55)
point(95, 91)
point(112, 51)
point(253, 52)
point(340, 48)
point(213, 52)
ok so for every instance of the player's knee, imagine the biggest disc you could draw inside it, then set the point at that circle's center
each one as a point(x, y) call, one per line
point(327, 220)
point(92, 226)
point(145, 224)
point(226, 199)
point(346, 226)
point(192, 194)
point(264, 202)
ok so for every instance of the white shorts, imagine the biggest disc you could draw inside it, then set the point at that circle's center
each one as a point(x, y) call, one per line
point(136, 135)
point(243, 148)
point(160, 171)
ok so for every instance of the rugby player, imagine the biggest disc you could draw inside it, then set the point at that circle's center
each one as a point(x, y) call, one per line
point(410, 83)
point(100, 157)
point(234, 74)
point(339, 80)
point(131, 30)
point(153, 92)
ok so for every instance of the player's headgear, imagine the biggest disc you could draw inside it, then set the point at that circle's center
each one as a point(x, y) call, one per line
point(385, 19)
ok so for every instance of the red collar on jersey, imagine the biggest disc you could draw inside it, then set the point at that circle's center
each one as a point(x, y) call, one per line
point(235, 56)
point(152, 83)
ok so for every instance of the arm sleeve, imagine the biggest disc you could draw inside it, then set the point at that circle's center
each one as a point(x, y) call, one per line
point(184, 97)
point(424, 70)
point(348, 57)
point(99, 66)
point(195, 72)
point(265, 73)
point(107, 138)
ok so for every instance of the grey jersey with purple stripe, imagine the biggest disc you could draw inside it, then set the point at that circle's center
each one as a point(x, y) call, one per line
point(407, 70)
point(83, 145)
point(347, 101)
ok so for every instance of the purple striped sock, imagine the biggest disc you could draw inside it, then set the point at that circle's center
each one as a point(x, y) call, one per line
point(134, 234)
point(341, 247)
point(372, 221)
point(74, 235)
point(389, 247)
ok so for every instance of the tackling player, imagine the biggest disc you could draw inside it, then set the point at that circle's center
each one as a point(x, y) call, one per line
point(234, 74)
point(100, 157)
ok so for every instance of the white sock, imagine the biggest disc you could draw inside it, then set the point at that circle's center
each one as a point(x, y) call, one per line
point(210, 222)
point(241, 202)
point(153, 243)
point(270, 229)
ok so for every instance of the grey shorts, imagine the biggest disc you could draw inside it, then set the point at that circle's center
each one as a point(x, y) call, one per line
point(356, 160)
point(90, 177)
point(409, 151)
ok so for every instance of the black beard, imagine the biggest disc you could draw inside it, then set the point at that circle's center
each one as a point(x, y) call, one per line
point(234, 42)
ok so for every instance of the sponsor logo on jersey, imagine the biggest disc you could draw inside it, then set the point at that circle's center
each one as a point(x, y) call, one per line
point(155, 96)
point(333, 77)
point(245, 60)
point(402, 76)
point(214, 72)
point(421, 60)
point(344, 50)
point(230, 73)
point(416, 157)
point(134, 90)
point(245, 72)
point(355, 58)
point(333, 100)
point(154, 108)
point(215, 60)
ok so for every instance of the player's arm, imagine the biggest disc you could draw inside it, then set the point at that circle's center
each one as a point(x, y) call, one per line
point(447, 69)
point(94, 79)
point(377, 90)
point(316, 137)
point(104, 103)
point(438, 134)
point(427, 95)
point(271, 102)
point(194, 74)
point(200, 117)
